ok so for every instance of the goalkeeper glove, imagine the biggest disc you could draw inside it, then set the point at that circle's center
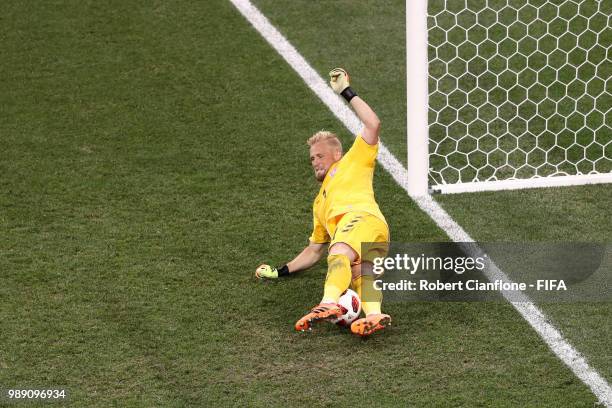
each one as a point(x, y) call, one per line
point(269, 272)
point(339, 81)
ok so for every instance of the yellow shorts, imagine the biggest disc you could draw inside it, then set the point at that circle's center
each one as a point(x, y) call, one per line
point(367, 234)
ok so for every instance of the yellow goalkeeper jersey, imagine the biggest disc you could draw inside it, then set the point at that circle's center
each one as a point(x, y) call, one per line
point(347, 187)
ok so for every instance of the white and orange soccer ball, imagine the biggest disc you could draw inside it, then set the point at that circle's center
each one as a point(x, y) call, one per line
point(351, 307)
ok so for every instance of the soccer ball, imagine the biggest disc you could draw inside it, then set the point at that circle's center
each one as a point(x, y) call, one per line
point(351, 307)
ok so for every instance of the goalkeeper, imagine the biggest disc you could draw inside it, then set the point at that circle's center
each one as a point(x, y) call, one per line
point(345, 215)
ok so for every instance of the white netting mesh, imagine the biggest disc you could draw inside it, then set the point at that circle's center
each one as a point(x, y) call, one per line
point(519, 89)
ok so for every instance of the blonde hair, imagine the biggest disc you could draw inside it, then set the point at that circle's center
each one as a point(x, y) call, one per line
point(325, 136)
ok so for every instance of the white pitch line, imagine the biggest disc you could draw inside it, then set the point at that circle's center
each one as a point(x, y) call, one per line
point(530, 312)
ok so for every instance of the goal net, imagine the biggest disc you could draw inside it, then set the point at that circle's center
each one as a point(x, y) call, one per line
point(518, 93)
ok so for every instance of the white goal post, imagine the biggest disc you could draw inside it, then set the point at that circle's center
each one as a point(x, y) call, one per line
point(508, 94)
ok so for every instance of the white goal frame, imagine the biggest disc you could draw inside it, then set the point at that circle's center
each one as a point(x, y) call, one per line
point(417, 78)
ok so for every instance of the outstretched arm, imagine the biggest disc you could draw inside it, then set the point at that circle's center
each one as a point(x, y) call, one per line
point(371, 123)
point(305, 259)
point(339, 81)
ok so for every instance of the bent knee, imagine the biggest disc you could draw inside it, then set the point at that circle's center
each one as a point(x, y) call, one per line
point(340, 248)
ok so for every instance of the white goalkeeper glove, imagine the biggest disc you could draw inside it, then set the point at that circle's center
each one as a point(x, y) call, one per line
point(339, 81)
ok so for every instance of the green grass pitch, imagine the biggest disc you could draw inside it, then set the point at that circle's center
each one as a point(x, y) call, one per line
point(153, 154)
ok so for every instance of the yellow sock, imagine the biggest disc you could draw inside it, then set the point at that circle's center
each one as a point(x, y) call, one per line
point(338, 277)
point(371, 299)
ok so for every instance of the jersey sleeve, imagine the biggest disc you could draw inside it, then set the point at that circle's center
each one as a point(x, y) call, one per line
point(319, 233)
point(361, 152)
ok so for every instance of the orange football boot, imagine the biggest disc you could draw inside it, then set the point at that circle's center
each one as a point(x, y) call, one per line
point(321, 312)
point(370, 324)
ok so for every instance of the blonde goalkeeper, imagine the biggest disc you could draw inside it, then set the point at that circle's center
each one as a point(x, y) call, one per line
point(346, 219)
